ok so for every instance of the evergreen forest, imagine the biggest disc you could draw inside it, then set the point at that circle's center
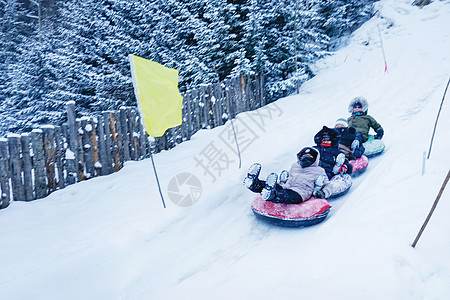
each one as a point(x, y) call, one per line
point(54, 51)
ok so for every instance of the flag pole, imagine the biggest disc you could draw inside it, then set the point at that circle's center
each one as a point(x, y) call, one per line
point(237, 144)
point(157, 179)
point(382, 49)
point(158, 98)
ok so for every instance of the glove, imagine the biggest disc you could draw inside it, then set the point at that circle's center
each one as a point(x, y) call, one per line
point(379, 134)
point(319, 194)
point(343, 169)
point(355, 144)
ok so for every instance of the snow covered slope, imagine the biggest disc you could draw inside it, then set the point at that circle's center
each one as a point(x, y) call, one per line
point(110, 238)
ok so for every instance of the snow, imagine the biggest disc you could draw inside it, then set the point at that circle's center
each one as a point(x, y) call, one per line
point(49, 126)
point(111, 238)
point(70, 154)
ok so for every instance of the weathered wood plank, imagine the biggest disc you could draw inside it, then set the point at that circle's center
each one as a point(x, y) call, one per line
point(108, 142)
point(60, 154)
point(50, 156)
point(131, 117)
point(16, 167)
point(5, 196)
point(124, 133)
point(70, 164)
point(40, 175)
point(117, 141)
point(87, 148)
point(27, 166)
point(94, 144)
point(72, 144)
point(196, 122)
point(142, 139)
point(80, 150)
point(187, 117)
point(102, 146)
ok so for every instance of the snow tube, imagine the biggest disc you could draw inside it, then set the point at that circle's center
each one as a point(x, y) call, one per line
point(340, 185)
point(310, 212)
point(359, 165)
point(373, 147)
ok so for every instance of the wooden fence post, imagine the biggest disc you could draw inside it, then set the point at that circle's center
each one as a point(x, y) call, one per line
point(4, 173)
point(203, 107)
point(119, 141)
point(40, 176)
point(27, 166)
point(195, 111)
point(187, 119)
point(131, 117)
point(80, 150)
point(125, 135)
point(59, 157)
point(69, 158)
point(50, 156)
point(102, 146)
point(87, 147)
point(94, 144)
point(142, 139)
point(108, 142)
point(114, 142)
point(72, 152)
point(16, 167)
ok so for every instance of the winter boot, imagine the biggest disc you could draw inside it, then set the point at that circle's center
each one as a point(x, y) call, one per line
point(268, 192)
point(355, 144)
point(252, 176)
point(284, 176)
point(340, 159)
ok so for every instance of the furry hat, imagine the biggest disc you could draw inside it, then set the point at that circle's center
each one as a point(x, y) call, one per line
point(341, 121)
point(360, 100)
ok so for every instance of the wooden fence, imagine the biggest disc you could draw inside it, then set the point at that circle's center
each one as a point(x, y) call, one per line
point(33, 165)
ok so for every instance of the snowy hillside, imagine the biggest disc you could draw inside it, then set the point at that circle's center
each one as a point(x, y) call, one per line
point(111, 238)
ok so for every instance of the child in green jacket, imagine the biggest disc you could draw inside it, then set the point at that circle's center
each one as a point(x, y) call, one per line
point(361, 120)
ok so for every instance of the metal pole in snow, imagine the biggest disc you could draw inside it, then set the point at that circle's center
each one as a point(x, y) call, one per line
point(432, 210)
point(157, 180)
point(237, 144)
point(382, 49)
point(435, 124)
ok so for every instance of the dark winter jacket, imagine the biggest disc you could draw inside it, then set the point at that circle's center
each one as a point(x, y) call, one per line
point(328, 154)
point(347, 136)
point(363, 122)
point(302, 180)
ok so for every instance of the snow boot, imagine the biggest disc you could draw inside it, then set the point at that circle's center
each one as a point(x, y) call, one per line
point(251, 180)
point(340, 159)
point(284, 176)
point(268, 192)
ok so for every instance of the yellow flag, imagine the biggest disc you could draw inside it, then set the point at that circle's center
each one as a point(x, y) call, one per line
point(156, 89)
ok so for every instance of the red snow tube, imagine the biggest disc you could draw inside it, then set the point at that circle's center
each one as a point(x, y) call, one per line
point(359, 165)
point(307, 213)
